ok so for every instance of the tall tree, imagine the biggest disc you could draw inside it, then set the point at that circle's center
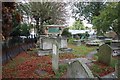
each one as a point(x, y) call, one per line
point(48, 12)
point(108, 19)
point(103, 15)
point(87, 9)
point(77, 25)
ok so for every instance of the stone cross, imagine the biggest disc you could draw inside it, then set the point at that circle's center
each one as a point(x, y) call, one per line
point(105, 54)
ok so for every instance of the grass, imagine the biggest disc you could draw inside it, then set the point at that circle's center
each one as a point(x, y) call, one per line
point(82, 50)
point(61, 71)
point(113, 62)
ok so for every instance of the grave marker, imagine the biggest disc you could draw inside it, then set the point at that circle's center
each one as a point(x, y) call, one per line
point(104, 54)
point(77, 69)
point(55, 56)
point(46, 43)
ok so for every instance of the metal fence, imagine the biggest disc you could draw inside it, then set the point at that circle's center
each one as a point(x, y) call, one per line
point(14, 47)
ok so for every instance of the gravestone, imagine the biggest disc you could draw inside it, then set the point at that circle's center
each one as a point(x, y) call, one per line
point(62, 42)
point(46, 43)
point(104, 54)
point(55, 57)
point(77, 69)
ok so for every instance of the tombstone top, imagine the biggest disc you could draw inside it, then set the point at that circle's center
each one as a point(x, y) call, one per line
point(105, 46)
point(77, 69)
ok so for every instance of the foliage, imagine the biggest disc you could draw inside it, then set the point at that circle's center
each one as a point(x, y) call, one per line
point(25, 30)
point(66, 33)
point(21, 30)
point(62, 69)
point(10, 18)
point(48, 13)
point(103, 15)
point(77, 25)
point(108, 19)
point(70, 40)
point(87, 9)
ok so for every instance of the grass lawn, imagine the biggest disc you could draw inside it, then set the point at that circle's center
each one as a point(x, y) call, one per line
point(81, 50)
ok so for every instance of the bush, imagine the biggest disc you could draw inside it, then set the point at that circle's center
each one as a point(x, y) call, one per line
point(71, 40)
point(66, 33)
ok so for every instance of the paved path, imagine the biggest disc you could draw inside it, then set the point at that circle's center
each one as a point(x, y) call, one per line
point(91, 54)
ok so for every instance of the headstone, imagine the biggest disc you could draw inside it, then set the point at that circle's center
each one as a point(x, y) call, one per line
point(55, 58)
point(77, 69)
point(46, 43)
point(104, 54)
point(63, 43)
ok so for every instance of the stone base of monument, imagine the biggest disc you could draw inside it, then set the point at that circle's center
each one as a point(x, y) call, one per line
point(66, 50)
point(44, 52)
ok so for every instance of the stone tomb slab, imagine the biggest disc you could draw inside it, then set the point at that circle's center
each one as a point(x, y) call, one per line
point(77, 69)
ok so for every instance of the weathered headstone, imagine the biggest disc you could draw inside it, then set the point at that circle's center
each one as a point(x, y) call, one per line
point(55, 57)
point(63, 43)
point(104, 54)
point(46, 43)
point(77, 69)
